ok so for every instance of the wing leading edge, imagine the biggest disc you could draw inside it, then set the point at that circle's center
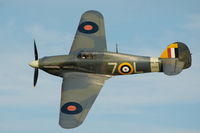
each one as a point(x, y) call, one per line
point(90, 35)
point(79, 91)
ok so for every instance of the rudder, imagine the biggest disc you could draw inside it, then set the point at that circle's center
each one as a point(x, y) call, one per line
point(175, 57)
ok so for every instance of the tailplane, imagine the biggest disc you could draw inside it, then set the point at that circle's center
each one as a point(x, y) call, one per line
point(175, 58)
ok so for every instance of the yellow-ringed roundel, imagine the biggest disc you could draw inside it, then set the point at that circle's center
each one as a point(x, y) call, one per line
point(71, 108)
point(125, 68)
point(88, 27)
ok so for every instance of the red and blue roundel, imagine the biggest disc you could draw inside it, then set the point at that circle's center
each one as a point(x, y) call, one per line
point(88, 27)
point(71, 108)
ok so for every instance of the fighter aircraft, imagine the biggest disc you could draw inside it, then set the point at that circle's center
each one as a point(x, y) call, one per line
point(89, 64)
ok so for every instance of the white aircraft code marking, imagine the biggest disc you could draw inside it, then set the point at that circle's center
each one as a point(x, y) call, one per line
point(114, 64)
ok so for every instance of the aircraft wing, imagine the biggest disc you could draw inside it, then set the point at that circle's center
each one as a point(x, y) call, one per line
point(79, 91)
point(90, 35)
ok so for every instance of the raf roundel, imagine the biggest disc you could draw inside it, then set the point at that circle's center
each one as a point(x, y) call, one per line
point(71, 108)
point(125, 68)
point(88, 27)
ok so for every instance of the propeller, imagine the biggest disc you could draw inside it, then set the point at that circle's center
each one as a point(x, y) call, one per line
point(35, 51)
point(36, 69)
point(35, 65)
point(35, 77)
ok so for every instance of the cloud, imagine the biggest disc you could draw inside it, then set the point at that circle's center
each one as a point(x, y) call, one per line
point(47, 37)
point(172, 130)
point(193, 23)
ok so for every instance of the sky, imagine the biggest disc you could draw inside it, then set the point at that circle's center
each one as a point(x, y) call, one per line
point(153, 103)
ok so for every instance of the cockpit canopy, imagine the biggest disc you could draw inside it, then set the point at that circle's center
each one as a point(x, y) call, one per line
point(85, 55)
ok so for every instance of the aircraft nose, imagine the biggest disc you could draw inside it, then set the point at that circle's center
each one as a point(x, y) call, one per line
point(34, 64)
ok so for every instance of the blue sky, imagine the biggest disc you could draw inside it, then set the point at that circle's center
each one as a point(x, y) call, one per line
point(153, 103)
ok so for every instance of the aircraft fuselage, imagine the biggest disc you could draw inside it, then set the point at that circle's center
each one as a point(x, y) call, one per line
point(106, 63)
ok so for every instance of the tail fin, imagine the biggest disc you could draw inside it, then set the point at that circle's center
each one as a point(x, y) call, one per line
point(175, 58)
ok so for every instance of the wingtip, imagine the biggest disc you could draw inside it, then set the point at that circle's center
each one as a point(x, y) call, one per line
point(95, 12)
point(69, 121)
point(66, 126)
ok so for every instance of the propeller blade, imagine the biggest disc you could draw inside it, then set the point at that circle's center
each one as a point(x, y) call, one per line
point(35, 51)
point(35, 77)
